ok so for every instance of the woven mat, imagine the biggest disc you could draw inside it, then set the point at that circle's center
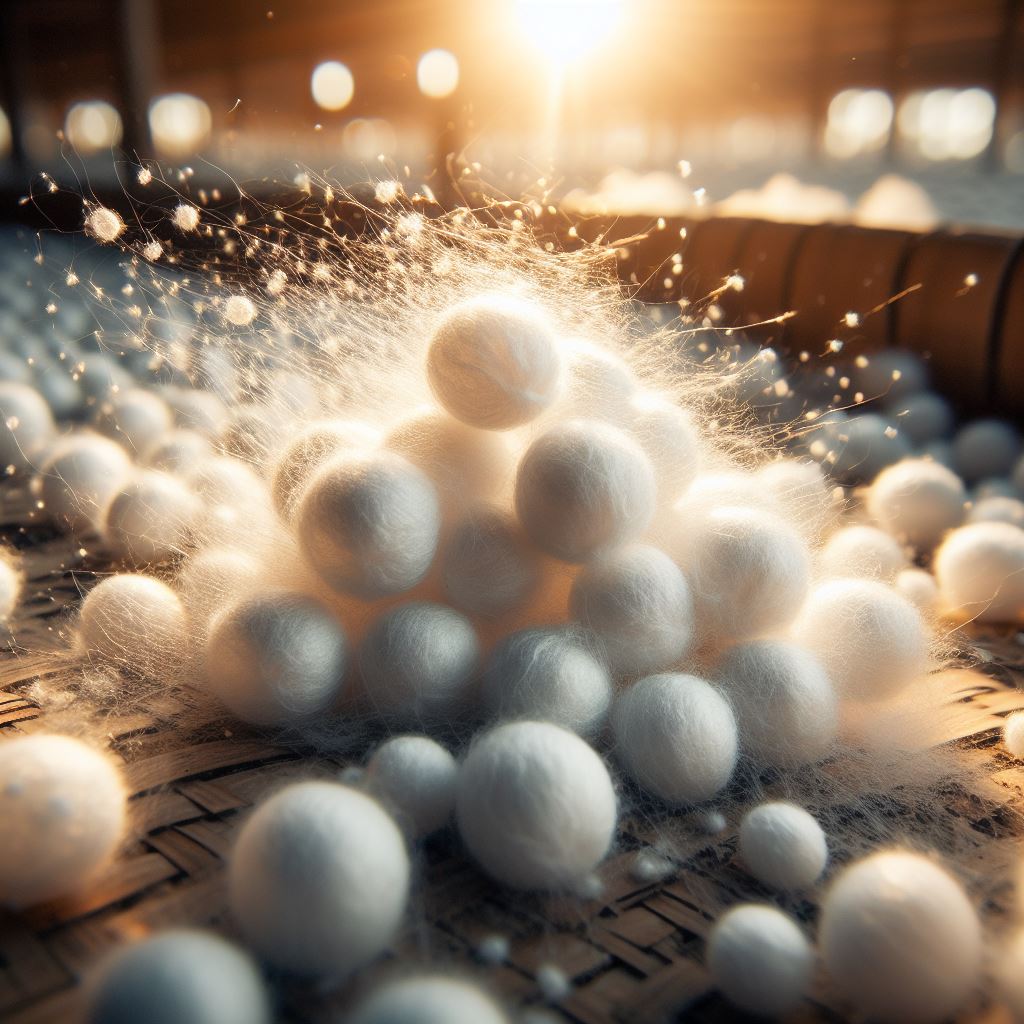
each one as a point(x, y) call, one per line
point(633, 954)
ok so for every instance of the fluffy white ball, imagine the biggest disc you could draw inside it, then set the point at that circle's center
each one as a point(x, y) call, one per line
point(998, 509)
point(213, 578)
point(783, 846)
point(416, 778)
point(893, 374)
point(1013, 734)
point(923, 417)
point(193, 409)
point(63, 805)
point(11, 582)
point(760, 960)
point(864, 445)
point(369, 524)
point(861, 552)
point(980, 572)
point(637, 602)
point(669, 437)
point(548, 674)
point(985, 448)
point(318, 879)
point(582, 487)
point(535, 805)
point(599, 385)
point(494, 363)
point(79, 478)
point(784, 702)
point(424, 999)
point(236, 499)
point(1010, 975)
point(871, 640)
point(917, 501)
point(419, 662)
point(179, 450)
point(26, 424)
point(275, 658)
point(177, 976)
point(150, 518)
point(919, 588)
point(676, 737)
point(135, 418)
point(901, 939)
point(800, 490)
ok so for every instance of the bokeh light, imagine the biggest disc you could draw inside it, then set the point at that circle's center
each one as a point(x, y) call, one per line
point(179, 123)
point(437, 74)
point(566, 30)
point(93, 126)
point(332, 85)
point(366, 138)
point(859, 121)
point(948, 124)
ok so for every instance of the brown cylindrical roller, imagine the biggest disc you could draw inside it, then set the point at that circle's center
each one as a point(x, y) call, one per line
point(711, 254)
point(765, 261)
point(1008, 364)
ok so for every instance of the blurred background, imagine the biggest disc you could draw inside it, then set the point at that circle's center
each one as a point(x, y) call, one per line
point(634, 106)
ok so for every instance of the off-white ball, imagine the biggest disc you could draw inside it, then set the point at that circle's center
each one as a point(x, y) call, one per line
point(985, 448)
point(861, 552)
point(800, 490)
point(900, 939)
point(599, 384)
point(550, 675)
point(180, 450)
point(998, 509)
point(369, 524)
point(494, 362)
point(892, 374)
point(760, 960)
point(135, 418)
point(318, 879)
point(980, 572)
point(79, 479)
point(150, 518)
point(871, 640)
point(783, 846)
point(1013, 734)
point(416, 779)
point(202, 411)
point(239, 310)
point(63, 805)
point(11, 582)
point(864, 445)
point(923, 417)
point(424, 999)
point(670, 439)
point(236, 499)
point(179, 976)
point(784, 702)
point(638, 603)
point(917, 501)
point(1010, 975)
point(211, 579)
point(675, 735)
point(919, 588)
point(276, 657)
point(26, 424)
point(535, 805)
point(584, 487)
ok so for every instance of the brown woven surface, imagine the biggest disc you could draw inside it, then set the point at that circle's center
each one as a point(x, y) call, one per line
point(633, 954)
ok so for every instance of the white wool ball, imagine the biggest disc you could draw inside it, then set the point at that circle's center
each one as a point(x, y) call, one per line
point(938, 451)
point(225, 481)
point(676, 737)
point(416, 778)
point(239, 310)
point(150, 518)
point(26, 424)
point(306, 452)
point(135, 418)
point(59, 390)
point(1017, 476)
point(861, 552)
point(637, 602)
point(318, 879)
point(369, 523)
point(274, 658)
point(919, 588)
point(1009, 974)
point(900, 938)
point(202, 411)
point(11, 582)
point(671, 440)
point(535, 805)
point(494, 362)
point(79, 478)
point(104, 224)
point(419, 662)
point(185, 217)
point(783, 846)
point(748, 571)
point(177, 976)
point(423, 999)
point(917, 501)
point(731, 489)
point(864, 445)
point(548, 674)
point(133, 620)
point(998, 510)
point(488, 567)
point(923, 417)
point(784, 702)
point(871, 640)
point(211, 579)
point(985, 448)
point(800, 491)
point(582, 487)
point(760, 960)
point(63, 805)
point(464, 462)
point(892, 374)
point(980, 572)
point(599, 384)
point(1013, 734)
point(994, 487)
point(178, 450)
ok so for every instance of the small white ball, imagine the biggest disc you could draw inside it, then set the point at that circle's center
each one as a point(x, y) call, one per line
point(26, 424)
point(583, 487)
point(1013, 734)
point(548, 674)
point(800, 491)
point(275, 658)
point(919, 588)
point(917, 501)
point(676, 737)
point(980, 572)
point(369, 524)
point(185, 217)
point(994, 487)
point(416, 778)
point(79, 478)
point(760, 960)
point(784, 702)
point(104, 224)
point(985, 448)
point(177, 976)
point(318, 879)
point(670, 439)
point(494, 363)
point(599, 384)
point(901, 939)
point(179, 450)
point(150, 518)
point(11, 583)
point(424, 999)
point(861, 552)
point(998, 510)
point(135, 418)
point(239, 310)
point(783, 846)
point(1010, 975)
point(871, 640)
point(864, 445)
point(892, 374)
point(923, 417)
point(211, 579)
point(535, 805)
point(63, 805)
point(637, 602)
point(202, 411)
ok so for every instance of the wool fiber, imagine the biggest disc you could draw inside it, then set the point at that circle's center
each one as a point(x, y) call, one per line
point(861, 552)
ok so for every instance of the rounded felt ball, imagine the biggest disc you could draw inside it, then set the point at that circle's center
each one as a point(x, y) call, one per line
point(26, 424)
point(535, 805)
point(923, 417)
point(426, 999)
point(783, 846)
point(150, 518)
point(416, 778)
point(135, 418)
point(669, 437)
point(980, 572)
point(1009, 975)
point(919, 588)
point(1013, 734)
point(79, 478)
point(917, 501)
point(985, 448)
point(799, 489)
point(863, 446)
point(318, 879)
point(11, 582)
point(599, 384)
point(861, 552)
point(998, 509)
point(178, 450)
